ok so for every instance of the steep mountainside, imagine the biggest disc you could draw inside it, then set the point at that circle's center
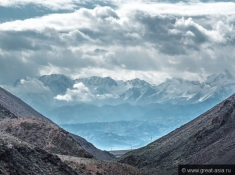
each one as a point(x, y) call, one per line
point(34, 145)
point(17, 106)
point(208, 139)
point(23, 122)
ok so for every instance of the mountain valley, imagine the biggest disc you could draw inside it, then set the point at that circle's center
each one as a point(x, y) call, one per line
point(27, 136)
point(102, 102)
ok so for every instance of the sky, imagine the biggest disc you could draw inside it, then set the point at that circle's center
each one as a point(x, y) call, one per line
point(123, 39)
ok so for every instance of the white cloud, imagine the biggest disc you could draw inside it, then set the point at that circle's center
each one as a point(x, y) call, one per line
point(184, 9)
point(144, 39)
point(79, 93)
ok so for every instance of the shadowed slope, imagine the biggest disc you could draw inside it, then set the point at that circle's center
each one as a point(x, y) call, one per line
point(208, 139)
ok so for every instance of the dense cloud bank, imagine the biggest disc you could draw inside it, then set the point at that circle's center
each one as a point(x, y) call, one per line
point(146, 39)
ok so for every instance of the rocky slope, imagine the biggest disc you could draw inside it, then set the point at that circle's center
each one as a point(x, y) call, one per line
point(35, 145)
point(17, 157)
point(208, 139)
point(21, 158)
point(21, 121)
point(43, 134)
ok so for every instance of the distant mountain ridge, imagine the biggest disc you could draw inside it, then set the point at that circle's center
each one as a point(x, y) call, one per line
point(136, 91)
point(105, 90)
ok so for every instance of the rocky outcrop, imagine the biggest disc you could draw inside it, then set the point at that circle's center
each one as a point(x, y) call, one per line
point(18, 158)
point(43, 134)
point(208, 139)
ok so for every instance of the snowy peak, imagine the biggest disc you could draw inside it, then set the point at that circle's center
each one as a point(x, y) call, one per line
point(178, 81)
point(177, 86)
point(57, 83)
point(98, 81)
point(137, 83)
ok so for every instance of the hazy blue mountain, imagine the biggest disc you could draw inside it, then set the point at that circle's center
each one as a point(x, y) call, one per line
point(120, 134)
point(153, 121)
point(84, 113)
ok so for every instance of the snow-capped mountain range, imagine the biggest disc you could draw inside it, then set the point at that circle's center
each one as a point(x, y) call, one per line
point(104, 101)
point(58, 90)
point(50, 94)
